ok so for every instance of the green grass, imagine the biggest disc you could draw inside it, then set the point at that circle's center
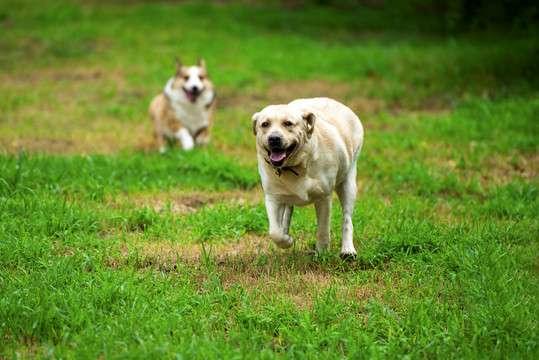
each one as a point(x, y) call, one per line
point(110, 250)
point(98, 175)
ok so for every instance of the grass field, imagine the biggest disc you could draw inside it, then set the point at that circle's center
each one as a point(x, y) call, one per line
point(110, 250)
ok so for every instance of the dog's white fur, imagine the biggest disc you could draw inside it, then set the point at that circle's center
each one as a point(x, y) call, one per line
point(323, 139)
point(176, 115)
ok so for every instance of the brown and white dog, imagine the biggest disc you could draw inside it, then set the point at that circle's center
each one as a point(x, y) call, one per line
point(306, 150)
point(183, 111)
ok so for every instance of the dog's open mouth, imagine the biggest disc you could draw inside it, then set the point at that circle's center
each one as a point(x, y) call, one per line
point(278, 156)
point(191, 95)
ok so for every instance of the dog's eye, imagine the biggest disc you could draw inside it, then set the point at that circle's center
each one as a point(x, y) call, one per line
point(201, 78)
point(265, 124)
point(288, 123)
point(186, 78)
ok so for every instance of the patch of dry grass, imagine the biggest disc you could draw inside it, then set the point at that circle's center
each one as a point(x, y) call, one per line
point(265, 272)
point(180, 201)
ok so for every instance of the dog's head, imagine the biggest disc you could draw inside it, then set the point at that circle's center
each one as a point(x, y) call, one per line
point(281, 133)
point(193, 80)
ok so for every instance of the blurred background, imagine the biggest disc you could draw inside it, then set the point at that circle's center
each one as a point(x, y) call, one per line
point(77, 76)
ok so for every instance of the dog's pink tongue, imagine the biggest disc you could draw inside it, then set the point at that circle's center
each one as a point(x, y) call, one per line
point(277, 155)
point(190, 96)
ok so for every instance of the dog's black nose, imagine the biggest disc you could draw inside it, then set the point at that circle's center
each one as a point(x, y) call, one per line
point(195, 88)
point(275, 140)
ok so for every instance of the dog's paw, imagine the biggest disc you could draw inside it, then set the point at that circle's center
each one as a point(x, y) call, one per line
point(285, 242)
point(348, 256)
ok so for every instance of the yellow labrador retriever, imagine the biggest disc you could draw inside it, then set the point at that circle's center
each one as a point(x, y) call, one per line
point(307, 149)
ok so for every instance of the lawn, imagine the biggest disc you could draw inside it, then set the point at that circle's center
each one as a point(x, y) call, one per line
point(111, 250)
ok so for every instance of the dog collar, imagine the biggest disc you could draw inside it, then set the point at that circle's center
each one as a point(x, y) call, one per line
point(279, 171)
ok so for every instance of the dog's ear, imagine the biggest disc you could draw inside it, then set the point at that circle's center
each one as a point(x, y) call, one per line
point(310, 119)
point(178, 64)
point(254, 120)
point(201, 63)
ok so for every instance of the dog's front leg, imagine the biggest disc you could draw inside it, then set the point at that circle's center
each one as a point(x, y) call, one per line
point(185, 138)
point(279, 222)
point(323, 217)
point(287, 217)
point(202, 136)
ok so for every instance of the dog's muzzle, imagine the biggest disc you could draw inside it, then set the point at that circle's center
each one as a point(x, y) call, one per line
point(277, 152)
point(192, 93)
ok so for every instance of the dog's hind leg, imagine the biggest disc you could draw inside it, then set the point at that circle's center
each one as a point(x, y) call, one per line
point(159, 141)
point(158, 137)
point(347, 191)
point(276, 217)
point(323, 217)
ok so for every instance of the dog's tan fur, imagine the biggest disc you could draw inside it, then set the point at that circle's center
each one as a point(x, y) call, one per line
point(174, 115)
point(324, 139)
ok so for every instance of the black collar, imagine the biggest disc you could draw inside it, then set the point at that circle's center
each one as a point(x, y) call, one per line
point(279, 171)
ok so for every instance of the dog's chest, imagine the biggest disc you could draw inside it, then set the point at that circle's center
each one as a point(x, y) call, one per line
point(293, 190)
point(194, 116)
